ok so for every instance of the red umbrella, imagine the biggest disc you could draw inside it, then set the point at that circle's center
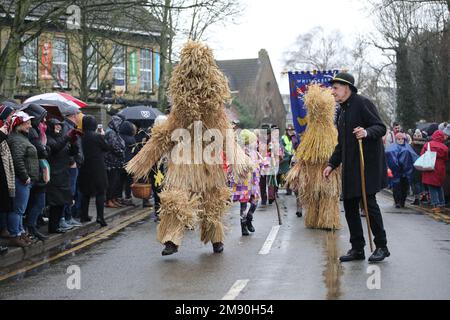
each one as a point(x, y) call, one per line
point(58, 96)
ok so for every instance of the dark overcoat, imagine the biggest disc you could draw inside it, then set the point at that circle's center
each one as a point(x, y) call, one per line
point(61, 155)
point(92, 179)
point(359, 111)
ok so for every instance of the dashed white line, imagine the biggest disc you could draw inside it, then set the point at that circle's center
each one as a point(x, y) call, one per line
point(237, 287)
point(269, 241)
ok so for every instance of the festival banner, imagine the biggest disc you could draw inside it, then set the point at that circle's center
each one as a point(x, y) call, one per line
point(133, 67)
point(156, 55)
point(298, 85)
point(46, 61)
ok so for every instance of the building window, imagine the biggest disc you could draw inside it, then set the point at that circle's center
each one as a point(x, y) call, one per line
point(119, 66)
point(60, 63)
point(146, 71)
point(29, 64)
point(92, 69)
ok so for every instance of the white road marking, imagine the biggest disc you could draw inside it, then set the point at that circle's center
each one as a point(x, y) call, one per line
point(269, 241)
point(237, 287)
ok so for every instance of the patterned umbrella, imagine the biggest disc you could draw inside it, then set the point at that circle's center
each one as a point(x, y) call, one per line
point(58, 96)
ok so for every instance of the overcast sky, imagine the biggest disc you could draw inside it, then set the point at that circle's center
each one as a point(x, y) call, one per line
point(274, 26)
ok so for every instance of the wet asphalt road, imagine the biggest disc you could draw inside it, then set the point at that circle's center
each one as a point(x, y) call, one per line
point(301, 263)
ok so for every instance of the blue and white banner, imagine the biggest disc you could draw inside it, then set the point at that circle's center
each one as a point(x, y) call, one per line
point(298, 85)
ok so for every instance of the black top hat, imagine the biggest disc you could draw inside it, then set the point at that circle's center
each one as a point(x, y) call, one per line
point(345, 78)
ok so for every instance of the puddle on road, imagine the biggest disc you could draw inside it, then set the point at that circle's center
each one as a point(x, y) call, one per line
point(333, 269)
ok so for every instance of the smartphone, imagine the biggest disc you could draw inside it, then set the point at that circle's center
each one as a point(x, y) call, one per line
point(100, 126)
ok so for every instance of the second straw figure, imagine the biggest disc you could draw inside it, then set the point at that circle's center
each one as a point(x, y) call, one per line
point(318, 196)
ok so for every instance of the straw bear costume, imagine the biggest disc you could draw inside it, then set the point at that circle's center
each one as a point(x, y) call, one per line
point(193, 192)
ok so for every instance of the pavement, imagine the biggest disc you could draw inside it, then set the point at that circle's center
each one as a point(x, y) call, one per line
point(19, 258)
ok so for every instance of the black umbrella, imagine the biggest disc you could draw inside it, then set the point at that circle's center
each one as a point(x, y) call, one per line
point(13, 105)
point(143, 116)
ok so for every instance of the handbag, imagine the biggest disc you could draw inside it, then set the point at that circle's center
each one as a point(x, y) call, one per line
point(427, 161)
point(44, 167)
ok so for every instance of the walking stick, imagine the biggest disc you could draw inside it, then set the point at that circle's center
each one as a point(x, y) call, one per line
point(276, 202)
point(363, 189)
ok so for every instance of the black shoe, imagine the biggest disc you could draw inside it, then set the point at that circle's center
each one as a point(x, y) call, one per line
point(170, 248)
point(353, 254)
point(244, 228)
point(271, 201)
point(102, 222)
point(218, 247)
point(3, 250)
point(86, 219)
point(37, 234)
point(379, 254)
point(397, 205)
point(250, 226)
point(299, 214)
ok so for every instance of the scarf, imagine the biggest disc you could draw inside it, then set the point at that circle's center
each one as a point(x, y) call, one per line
point(9, 168)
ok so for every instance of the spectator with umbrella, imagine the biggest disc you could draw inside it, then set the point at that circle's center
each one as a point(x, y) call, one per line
point(70, 127)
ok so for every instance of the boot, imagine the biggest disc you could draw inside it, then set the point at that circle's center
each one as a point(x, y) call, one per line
point(299, 213)
point(18, 242)
point(36, 233)
point(101, 219)
point(244, 228)
point(169, 249)
point(250, 226)
point(102, 222)
point(217, 247)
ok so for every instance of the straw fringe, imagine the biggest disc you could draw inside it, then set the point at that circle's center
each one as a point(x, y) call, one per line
point(179, 210)
point(216, 203)
point(159, 144)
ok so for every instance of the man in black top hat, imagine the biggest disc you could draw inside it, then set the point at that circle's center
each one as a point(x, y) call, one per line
point(359, 119)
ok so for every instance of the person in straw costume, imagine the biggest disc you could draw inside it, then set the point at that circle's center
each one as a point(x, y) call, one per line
point(320, 198)
point(193, 191)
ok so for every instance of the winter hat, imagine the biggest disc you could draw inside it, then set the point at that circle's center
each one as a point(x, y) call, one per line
point(447, 130)
point(19, 118)
point(417, 134)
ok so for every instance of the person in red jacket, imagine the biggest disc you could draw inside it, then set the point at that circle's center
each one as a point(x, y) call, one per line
point(434, 180)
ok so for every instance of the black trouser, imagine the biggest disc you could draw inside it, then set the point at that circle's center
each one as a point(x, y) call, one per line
point(400, 191)
point(263, 188)
point(55, 214)
point(352, 215)
point(155, 190)
point(99, 203)
point(126, 180)
point(113, 184)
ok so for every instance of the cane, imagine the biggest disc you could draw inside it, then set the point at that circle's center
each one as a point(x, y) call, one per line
point(363, 189)
point(276, 203)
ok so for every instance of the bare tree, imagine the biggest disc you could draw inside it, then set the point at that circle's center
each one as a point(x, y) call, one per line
point(317, 50)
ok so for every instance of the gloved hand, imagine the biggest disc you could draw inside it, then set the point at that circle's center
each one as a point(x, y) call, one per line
point(73, 135)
